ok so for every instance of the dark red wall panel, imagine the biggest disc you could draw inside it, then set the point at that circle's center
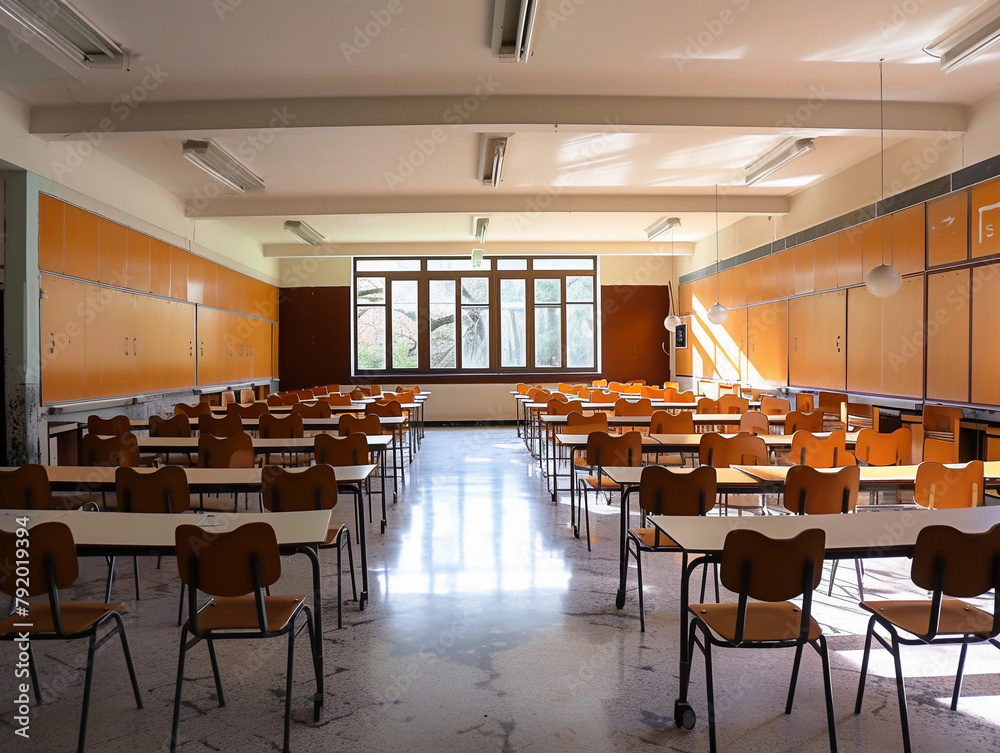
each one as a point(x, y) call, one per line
point(633, 333)
point(314, 337)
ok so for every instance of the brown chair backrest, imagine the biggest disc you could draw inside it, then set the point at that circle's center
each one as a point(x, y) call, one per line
point(224, 426)
point(223, 563)
point(961, 565)
point(707, 405)
point(875, 448)
point(522, 388)
point(805, 402)
point(579, 423)
point(351, 424)
point(740, 449)
point(253, 410)
point(175, 426)
point(797, 421)
point(641, 407)
point(809, 491)
point(389, 409)
point(110, 451)
point(941, 420)
point(652, 393)
point(351, 449)
point(333, 389)
point(247, 396)
point(754, 422)
point(312, 488)
point(732, 404)
point(663, 491)
point(193, 411)
point(561, 407)
point(226, 452)
point(52, 550)
point(227, 397)
point(662, 422)
point(337, 398)
point(271, 426)
point(769, 569)
point(831, 402)
point(25, 488)
point(111, 427)
point(164, 490)
point(607, 450)
point(274, 399)
point(774, 406)
point(319, 409)
point(320, 391)
point(290, 398)
point(357, 393)
point(685, 397)
point(600, 383)
point(821, 451)
point(939, 487)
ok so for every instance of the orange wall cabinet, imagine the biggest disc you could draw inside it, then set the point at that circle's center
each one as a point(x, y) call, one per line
point(948, 229)
point(730, 340)
point(907, 251)
point(81, 245)
point(767, 343)
point(986, 334)
point(179, 345)
point(825, 263)
point(111, 259)
point(817, 354)
point(51, 233)
point(62, 345)
point(948, 311)
point(864, 331)
point(885, 337)
point(984, 220)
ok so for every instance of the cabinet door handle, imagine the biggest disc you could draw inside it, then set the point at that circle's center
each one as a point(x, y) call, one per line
point(133, 347)
point(52, 337)
point(126, 346)
point(190, 348)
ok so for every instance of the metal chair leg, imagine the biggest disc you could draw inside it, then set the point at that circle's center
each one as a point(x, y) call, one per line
point(215, 671)
point(175, 727)
point(288, 688)
point(794, 680)
point(88, 683)
point(904, 721)
point(824, 655)
point(864, 666)
point(958, 677)
point(642, 605)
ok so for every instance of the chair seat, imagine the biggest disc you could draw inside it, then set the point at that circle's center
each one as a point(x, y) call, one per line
point(957, 617)
point(602, 484)
point(240, 613)
point(647, 537)
point(77, 617)
point(777, 621)
point(332, 533)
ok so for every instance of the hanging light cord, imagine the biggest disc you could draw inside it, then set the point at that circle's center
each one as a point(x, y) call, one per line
point(717, 271)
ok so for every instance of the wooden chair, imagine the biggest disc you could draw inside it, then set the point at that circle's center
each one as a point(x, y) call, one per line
point(274, 400)
point(273, 426)
point(351, 424)
point(225, 426)
point(754, 422)
point(641, 407)
point(607, 450)
point(52, 567)
point(666, 492)
point(314, 488)
point(947, 563)
point(252, 410)
point(337, 399)
point(805, 402)
point(740, 449)
point(227, 397)
point(707, 405)
point(26, 487)
point(662, 422)
point(178, 425)
point(828, 451)
point(832, 403)
point(236, 451)
point(858, 416)
point(809, 491)
point(247, 396)
point(348, 449)
point(319, 409)
point(234, 568)
point(798, 421)
point(732, 404)
point(685, 397)
point(772, 572)
point(875, 448)
point(939, 487)
point(193, 411)
point(653, 393)
point(109, 452)
point(774, 406)
point(165, 490)
point(109, 427)
point(941, 432)
point(320, 391)
point(332, 389)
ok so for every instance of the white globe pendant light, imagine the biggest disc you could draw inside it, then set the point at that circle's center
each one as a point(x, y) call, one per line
point(884, 280)
point(718, 313)
point(672, 322)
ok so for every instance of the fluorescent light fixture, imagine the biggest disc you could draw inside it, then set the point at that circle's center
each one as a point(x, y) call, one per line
point(221, 165)
point(513, 29)
point(778, 157)
point(477, 257)
point(492, 149)
point(304, 232)
point(962, 43)
point(661, 226)
point(61, 27)
point(479, 227)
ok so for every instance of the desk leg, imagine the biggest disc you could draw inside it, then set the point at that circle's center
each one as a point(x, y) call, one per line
point(363, 536)
point(555, 466)
point(313, 556)
point(623, 543)
point(684, 715)
point(572, 493)
point(517, 416)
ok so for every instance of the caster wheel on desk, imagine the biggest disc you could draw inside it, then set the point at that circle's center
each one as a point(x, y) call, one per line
point(684, 716)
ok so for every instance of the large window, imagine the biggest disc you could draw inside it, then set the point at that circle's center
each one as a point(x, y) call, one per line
point(444, 315)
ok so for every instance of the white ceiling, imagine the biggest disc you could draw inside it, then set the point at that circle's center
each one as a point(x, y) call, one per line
point(625, 113)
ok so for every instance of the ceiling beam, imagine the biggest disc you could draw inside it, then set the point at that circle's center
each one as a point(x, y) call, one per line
point(459, 248)
point(482, 108)
point(546, 199)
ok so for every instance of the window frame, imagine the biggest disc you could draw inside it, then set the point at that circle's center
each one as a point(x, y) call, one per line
point(494, 276)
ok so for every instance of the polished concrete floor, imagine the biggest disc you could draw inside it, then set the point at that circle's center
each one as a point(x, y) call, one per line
point(491, 627)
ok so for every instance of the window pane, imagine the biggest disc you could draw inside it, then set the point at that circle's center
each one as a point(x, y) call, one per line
point(370, 289)
point(548, 337)
point(475, 290)
point(371, 337)
point(580, 289)
point(388, 265)
point(579, 336)
point(475, 337)
point(460, 263)
point(512, 263)
point(404, 324)
point(548, 291)
point(512, 325)
point(562, 264)
point(442, 314)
